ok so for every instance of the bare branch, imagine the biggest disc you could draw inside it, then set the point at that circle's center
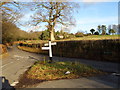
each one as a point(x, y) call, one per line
point(54, 13)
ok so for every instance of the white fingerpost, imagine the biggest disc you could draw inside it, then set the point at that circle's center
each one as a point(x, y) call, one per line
point(45, 48)
point(47, 44)
point(49, 48)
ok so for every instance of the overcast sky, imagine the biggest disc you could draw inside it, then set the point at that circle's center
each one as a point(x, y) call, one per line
point(91, 14)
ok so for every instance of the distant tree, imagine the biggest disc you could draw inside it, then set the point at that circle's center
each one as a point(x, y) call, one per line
point(99, 29)
point(31, 31)
point(96, 33)
point(103, 27)
point(79, 34)
point(65, 35)
point(115, 27)
point(10, 11)
point(118, 29)
point(112, 31)
point(92, 31)
point(9, 32)
point(45, 35)
point(57, 33)
point(109, 27)
point(71, 35)
point(88, 34)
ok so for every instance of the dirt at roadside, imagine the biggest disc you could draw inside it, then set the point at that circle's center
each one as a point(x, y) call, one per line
point(3, 49)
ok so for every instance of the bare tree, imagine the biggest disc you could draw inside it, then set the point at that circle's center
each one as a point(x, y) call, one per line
point(10, 11)
point(103, 29)
point(92, 31)
point(53, 13)
point(99, 29)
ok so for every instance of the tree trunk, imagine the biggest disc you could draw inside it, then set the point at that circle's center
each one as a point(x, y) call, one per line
point(52, 38)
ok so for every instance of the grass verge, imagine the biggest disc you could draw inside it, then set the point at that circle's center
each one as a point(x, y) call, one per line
point(2, 56)
point(43, 71)
point(33, 50)
point(91, 37)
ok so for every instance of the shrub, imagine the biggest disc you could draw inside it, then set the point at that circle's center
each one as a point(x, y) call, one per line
point(45, 35)
point(3, 49)
point(79, 34)
point(96, 33)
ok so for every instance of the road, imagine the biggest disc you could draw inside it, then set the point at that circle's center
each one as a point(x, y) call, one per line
point(19, 61)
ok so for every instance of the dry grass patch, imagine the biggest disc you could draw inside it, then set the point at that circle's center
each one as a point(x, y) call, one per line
point(36, 50)
point(29, 49)
point(3, 49)
point(2, 56)
point(93, 37)
point(43, 71)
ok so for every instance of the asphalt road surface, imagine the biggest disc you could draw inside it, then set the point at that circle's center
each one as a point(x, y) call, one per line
point(18, 62)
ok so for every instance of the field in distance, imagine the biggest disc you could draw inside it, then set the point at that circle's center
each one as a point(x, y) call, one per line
point(91, 37)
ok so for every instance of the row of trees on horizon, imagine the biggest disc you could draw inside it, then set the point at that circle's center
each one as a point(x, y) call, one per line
point(104, 30)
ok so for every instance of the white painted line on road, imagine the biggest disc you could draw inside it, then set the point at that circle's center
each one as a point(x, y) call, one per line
point(6, 64)
point(14, 83)
point(20, 57)
point(17, 56)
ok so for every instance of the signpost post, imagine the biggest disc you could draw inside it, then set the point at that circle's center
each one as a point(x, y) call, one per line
point(49, 48)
